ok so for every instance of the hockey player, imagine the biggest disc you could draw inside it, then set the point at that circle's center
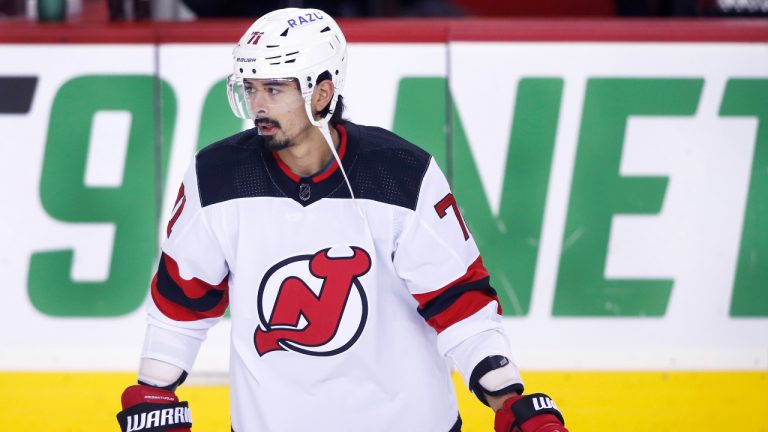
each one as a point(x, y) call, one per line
point(349, 273)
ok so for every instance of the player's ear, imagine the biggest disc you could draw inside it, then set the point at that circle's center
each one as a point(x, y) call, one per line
point(322, 95)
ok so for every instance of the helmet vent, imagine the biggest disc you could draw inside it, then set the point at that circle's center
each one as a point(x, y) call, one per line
point(293, 53)
point(285, 32)
point(290, 61)
point(272, 58)
point(325, 30)
point(273, 46)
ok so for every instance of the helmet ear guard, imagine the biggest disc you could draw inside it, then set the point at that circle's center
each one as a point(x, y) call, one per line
point(326, 113)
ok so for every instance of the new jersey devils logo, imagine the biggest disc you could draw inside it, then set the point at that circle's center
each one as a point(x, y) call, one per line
point(313, 304)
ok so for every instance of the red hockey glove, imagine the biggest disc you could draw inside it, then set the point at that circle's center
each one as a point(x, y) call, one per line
point(152, 409)
point(531, 413)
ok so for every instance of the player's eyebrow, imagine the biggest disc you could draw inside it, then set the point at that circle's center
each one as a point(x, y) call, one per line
point(269, 82)
point(282, 83)
point(273, 83)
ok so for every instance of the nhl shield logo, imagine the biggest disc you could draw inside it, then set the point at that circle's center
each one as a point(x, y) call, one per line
point(313, 304)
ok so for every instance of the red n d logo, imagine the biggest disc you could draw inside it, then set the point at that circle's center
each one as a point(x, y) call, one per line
point(304, 320)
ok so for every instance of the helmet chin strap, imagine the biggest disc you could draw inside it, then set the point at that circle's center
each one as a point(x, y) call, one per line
point(322, 124)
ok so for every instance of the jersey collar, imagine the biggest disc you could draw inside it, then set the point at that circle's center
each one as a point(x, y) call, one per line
point(324, 174)
point(308, 190)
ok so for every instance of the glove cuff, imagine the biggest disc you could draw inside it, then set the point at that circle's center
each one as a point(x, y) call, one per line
point(491, 364)
point(152, 409)
point(526, 407)
point(148, 417)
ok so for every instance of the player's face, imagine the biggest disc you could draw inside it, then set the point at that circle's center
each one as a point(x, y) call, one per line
point(279, 111)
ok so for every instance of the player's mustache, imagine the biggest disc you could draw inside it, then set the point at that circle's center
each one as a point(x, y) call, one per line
point(266, 120)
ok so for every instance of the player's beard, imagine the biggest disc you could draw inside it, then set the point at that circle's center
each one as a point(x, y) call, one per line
point(271, 142)
point(274, 144)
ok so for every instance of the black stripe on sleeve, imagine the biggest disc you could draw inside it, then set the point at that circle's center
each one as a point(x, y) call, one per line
point(169, 289)
point(451, 295)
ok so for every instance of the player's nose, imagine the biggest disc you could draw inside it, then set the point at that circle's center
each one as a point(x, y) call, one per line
point(259, 103)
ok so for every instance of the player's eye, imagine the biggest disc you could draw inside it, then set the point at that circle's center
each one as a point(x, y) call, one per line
point(250, 90)
point(273, 91)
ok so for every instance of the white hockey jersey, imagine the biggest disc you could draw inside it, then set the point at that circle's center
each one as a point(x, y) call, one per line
point(343, 310)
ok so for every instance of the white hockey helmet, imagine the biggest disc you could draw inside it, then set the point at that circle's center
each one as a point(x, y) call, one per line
point(289, 43)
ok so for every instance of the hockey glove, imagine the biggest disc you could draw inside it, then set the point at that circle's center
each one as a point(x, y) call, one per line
point(153, 409)
point(532, 413)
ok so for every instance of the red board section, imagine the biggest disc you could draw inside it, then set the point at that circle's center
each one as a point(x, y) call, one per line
point(404, 30)
point(619, 30)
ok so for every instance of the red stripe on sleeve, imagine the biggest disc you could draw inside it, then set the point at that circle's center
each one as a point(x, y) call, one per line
point(464, 305)
point(188, 301)
point(475, 272)
point(193, 288)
